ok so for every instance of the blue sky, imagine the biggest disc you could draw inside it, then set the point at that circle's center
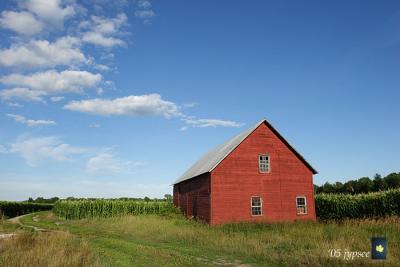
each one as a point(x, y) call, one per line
point(110, 100)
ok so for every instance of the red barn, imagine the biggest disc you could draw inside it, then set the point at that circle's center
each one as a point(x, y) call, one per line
point(255, 176)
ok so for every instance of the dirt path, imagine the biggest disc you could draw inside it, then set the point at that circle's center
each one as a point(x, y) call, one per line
point(16, 220)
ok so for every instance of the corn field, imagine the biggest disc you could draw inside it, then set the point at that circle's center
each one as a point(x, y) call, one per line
point(371, 205)
point(12, 209)
point(78, 209)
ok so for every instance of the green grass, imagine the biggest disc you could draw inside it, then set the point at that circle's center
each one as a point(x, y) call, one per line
point(152, 240)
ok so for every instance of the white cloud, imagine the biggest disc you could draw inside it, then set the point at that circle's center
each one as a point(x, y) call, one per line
point(101, 67)
point(35, 150)
point(21, 22)
point(18, 118)
point(109, 26)
point(41, 53)
point(30, 122)
point(144, 4)
point(51, 11)
point(94, 125)
point(102, 31)
point(22, 93)
point(144, 105)
point(106, 162)
point(202, 123)
point(13, 104)
point(56, 98)
point(39, 122)
point(144, 11)
point(145, 14)
point(140, 105)
point(53, 82)
point(99, 39)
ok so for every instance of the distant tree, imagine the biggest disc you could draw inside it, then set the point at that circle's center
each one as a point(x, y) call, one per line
point(30, 199)
point(393, 180)
point(147, 199)
point(168, 197)
point(364, 185)
point(348, 187)
point(328, 188)
point(54, 199)
point(338, 187)
point(39, 200)
point(378, 183)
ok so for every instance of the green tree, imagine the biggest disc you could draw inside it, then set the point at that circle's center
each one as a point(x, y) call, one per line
point(364, 185)
point(378, 183)
point(338, 187)
point(348, 187)
point(328, 188)
point(393, 180)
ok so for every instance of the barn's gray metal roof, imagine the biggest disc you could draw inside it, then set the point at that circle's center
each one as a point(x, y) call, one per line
point(210, 160)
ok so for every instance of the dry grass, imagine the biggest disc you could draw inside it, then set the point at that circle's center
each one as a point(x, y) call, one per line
point(175, 241)
point(283, 244)
point(46, 249)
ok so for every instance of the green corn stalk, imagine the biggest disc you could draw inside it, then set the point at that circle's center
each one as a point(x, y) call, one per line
point(103, 208)
point(371, 205)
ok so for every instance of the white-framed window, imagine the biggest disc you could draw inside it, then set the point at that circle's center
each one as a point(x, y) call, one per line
point(256, 206)
point(301, 205)
point(263, 163)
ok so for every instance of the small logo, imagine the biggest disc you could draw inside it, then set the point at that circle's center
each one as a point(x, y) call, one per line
point(378, 248)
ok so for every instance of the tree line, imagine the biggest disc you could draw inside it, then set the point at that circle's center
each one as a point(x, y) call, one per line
point(362, 185)
point(42, 200)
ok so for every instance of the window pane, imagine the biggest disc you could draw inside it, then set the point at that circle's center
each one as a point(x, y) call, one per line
point(256, 206)
point(263, 163)
point(255, 201)
point(301, 205)
point(301, 210)
point(256, 211)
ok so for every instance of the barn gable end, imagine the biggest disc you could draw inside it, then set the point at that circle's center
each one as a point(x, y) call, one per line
point(237, 178)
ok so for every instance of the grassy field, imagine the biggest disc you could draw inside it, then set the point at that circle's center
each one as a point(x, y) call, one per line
point(153, 240)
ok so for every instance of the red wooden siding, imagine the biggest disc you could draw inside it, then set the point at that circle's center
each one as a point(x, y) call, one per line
point(237, 178)
point(193, 197)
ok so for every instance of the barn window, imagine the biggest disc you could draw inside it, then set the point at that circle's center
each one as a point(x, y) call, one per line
point(301, 205)
point(256, 206)
point(263, 163)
